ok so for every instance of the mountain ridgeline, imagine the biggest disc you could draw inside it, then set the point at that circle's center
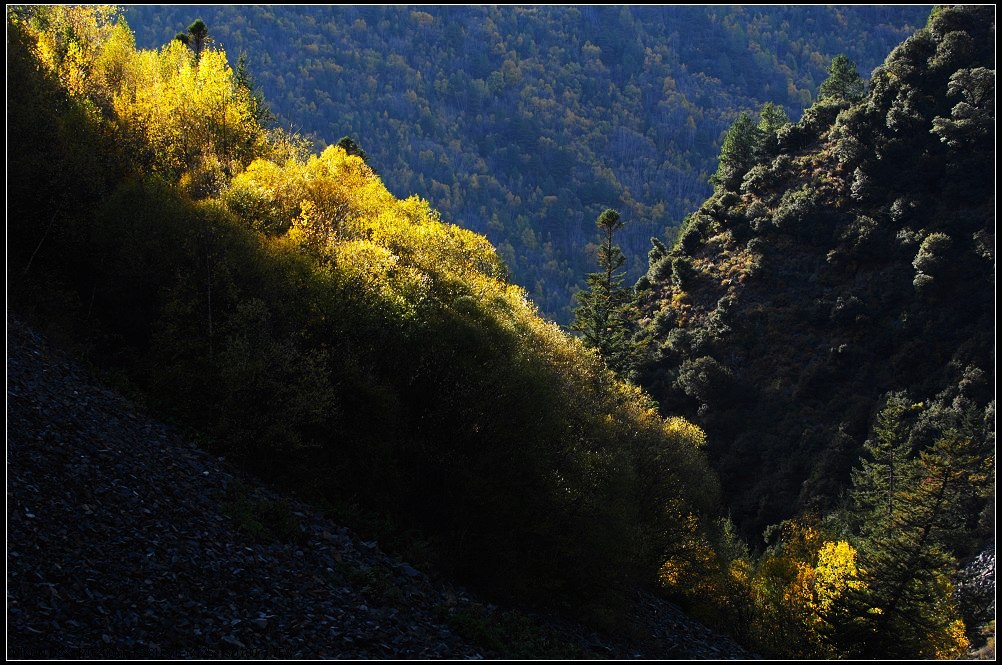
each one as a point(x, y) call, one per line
point(524, 123)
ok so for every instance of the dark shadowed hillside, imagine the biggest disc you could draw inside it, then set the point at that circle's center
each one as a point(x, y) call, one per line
point(127, 540)
point(316, 329)
point(827, 315)
point(841, 257)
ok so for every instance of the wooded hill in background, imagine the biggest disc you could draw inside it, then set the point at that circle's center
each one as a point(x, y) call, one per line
point(525, 123)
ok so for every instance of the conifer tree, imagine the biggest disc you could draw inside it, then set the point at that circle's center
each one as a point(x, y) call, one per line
point(737, 153)
point(770, 119)
point(602, 315)
point(245, 81)
point(885, 468)
point(844, 84)
point(912, 508)
point(350, 146)
point(199, 34)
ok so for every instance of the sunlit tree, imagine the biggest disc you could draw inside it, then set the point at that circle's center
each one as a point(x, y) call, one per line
point(844, 84)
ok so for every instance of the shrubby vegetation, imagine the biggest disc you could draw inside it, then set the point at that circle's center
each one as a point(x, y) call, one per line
point(524, 123)
point(872, 578)
point(337, 339)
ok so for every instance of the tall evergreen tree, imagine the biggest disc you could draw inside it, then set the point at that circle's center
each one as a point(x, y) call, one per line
point(886, 467)
point(199, 34)
point(244, 80)
point(912, 510)
point(737, 153)
point(770, 119)
point(844, 84)
point(602, 316)
point(351, 147)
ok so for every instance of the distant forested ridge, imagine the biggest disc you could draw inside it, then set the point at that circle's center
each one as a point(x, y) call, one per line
point(523, 123)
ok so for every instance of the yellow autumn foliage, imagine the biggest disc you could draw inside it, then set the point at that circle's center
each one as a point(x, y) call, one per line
point(683, 430)
point(835, 573)
point(954, 643)
point(796, 589)
point(172, 110)
point(178, 109)
point(335, 201)
point(687, 569)
point(315, 311)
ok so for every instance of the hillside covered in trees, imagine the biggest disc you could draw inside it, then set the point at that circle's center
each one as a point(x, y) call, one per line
point(523, 123)
point(341, 341)
point(827, 315)
point(820, 331)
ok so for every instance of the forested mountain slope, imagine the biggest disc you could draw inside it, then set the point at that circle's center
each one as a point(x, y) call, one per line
point(524, 122)
point(840, 258)
point(320, 331)
point(827, 314)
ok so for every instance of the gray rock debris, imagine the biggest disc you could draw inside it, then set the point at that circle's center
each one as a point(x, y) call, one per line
point(119, 547)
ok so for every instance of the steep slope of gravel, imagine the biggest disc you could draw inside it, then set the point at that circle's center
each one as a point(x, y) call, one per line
point(126, 540)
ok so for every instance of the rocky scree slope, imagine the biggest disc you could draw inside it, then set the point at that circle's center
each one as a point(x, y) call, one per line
point(126, 540)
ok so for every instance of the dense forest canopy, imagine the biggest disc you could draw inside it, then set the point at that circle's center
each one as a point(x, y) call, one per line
point(524, 123)
point(839, 258)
